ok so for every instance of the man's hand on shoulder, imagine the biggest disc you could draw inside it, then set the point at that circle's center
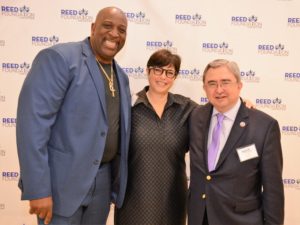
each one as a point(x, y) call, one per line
point(249, 104)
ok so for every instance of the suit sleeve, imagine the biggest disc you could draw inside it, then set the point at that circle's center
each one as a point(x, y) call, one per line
point(272, 163)
point(39, 101)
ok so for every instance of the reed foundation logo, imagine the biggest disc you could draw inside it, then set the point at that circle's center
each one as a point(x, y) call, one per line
point(276, 50)
point(10, 176)
point(292, 77)
point(155, 45)
point(11, 67)
point(9, 122)
point(294, 22)
point(218, 48)
point(137, 17)
point(44, 40)
point(194, 20)
point(2, 206)
point(2, 42)
point(190, 74)
point(135, 72)
point(273, 104)
point(22, 12)
point(244, 21)
point(290, 130)
point(291, 183)
point(249, 76)
point(81, 15)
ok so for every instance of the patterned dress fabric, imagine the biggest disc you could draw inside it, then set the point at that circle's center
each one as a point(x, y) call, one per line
point(157, 183)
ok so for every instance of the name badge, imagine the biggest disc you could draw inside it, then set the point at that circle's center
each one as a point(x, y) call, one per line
point(246, 153)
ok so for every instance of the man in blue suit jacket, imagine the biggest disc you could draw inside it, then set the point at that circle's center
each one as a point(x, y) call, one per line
point(73, 127)
point(242, 185)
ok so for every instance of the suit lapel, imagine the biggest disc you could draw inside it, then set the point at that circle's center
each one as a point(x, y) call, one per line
point(99, 83)
point(205, 120)
point(124, 101)
point(236, 132)
point(94, 73)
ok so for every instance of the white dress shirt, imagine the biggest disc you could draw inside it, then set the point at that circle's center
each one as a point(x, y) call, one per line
point(226, 128)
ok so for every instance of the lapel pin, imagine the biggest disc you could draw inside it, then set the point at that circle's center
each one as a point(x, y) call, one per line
point(242, 124)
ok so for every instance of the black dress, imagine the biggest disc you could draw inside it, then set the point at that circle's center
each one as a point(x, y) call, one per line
point(157, 183)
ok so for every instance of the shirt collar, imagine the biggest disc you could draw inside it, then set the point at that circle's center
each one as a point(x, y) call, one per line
point(141, 97)
point(230, 114)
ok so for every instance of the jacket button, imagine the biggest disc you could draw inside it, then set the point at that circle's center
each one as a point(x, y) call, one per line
point(102, 134)
point(203, 196)
point(208, 177)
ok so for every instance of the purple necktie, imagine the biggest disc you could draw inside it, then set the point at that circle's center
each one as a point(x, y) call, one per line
point(215, 142)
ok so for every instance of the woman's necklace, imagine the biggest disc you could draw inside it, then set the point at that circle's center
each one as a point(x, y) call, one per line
point(110, 79)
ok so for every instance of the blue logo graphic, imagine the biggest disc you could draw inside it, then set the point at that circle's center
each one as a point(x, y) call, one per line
point(190, 74)
point(81, 15)
point(249, 22)
point(135, 72)
point(137, 18)
point(276, 50)
point(273, 104)
point(22, 12)
point(44, 41)
point(21, 68)
point(218, 48)
point(24, 9)
point(194, 20)
point(155, 45)
point(249, 76)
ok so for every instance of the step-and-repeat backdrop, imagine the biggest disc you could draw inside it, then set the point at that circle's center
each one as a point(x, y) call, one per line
point(262, 36)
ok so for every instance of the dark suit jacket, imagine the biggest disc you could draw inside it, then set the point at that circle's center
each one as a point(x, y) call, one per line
point(236, 193)
point(62, 126)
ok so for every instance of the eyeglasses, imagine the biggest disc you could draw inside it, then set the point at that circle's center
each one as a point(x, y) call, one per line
point(223, 84)
point(159, 71)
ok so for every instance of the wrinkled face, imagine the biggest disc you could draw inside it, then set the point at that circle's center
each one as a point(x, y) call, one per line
point(222, 88)
point(161, 84)
point(108, 34)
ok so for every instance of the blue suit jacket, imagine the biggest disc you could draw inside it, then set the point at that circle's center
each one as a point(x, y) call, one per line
point(237, 193)
point(62, 127)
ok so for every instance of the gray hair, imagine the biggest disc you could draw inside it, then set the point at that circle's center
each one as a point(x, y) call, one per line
point(231, 65)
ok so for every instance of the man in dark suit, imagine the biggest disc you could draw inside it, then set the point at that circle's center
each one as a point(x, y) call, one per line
point(73, 127)
point(236, 161)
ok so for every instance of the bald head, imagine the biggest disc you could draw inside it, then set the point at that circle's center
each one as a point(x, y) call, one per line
point(108, 33)
point(110, 10)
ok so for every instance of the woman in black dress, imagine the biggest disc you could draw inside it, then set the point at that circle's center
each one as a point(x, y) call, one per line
point(157, 182)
